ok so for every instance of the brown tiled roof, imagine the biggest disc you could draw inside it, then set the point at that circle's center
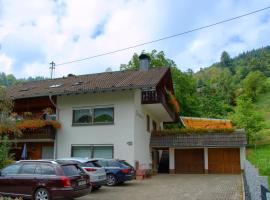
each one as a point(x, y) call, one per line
point(117, 80)
point(237, 138)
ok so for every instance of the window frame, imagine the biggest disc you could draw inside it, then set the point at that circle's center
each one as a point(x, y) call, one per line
point(92, 147)
point(81, 124)
point(148, 123)
point(154, 125)
point(102, 123)
point(92, 111)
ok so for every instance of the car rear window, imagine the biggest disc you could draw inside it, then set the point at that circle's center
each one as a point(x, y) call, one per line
point(72, 170)
point(125, 163)
point(113, 163)
point(91, 164)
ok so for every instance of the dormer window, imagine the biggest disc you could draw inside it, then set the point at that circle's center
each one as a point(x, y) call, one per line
point(78, 83)
point(55, 85)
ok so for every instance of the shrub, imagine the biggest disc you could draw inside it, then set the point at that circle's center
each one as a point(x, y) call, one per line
point(5, 157)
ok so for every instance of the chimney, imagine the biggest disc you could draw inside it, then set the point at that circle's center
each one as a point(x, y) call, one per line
point(144, 61)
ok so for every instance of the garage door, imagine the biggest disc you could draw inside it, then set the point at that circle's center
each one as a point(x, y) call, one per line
point(224, 160)
point(189, 161)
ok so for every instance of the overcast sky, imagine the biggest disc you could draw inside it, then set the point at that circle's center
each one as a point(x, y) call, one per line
point(34, 33)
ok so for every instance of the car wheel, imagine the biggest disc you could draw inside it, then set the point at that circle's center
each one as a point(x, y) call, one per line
point(96, 187)
point(42, 194)
point(111, 180)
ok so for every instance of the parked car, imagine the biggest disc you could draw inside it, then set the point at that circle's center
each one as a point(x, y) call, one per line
point(118, 171)
point(44, 180)
point(96, 172)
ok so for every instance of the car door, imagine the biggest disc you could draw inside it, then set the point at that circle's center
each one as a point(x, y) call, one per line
point(26, 180)
point(6, 178)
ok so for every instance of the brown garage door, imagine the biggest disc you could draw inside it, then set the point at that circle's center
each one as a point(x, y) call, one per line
point(224, 160)
point(189, 161)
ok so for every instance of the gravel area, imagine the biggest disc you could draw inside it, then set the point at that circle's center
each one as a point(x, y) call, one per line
point(175, 187)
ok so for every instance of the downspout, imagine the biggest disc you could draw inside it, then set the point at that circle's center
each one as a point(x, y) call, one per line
point(57, 117)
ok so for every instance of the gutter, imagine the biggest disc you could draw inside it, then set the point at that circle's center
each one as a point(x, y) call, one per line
point(57, 117)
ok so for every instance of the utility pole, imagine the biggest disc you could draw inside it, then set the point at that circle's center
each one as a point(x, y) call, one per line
point(52, 68)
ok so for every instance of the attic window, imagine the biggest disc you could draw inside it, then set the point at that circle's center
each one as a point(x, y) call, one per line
point(24, 89)
point(55, 85)
point(78, 83)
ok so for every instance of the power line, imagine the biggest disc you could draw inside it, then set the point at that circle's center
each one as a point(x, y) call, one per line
point(165, 38)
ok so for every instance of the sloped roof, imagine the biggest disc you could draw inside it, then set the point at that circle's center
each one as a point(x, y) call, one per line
point(129, 79)
point(235, 139)
point(206, 123)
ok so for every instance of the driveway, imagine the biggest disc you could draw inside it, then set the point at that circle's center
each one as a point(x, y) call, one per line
point(175, 187)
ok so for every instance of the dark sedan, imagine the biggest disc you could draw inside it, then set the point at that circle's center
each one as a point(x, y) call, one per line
point(44, 180)
point(118, 171)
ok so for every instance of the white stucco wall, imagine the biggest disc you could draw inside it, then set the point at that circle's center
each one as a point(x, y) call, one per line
point(118, 134)
point(242, 157)
point(142, 137)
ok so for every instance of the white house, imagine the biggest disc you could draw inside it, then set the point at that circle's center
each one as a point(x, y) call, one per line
point(116, 115)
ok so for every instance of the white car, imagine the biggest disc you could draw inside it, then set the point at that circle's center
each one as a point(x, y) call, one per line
point(96, 172)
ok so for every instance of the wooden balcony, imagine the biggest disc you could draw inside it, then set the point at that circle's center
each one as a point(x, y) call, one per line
point(44, 134)
point(157, 97)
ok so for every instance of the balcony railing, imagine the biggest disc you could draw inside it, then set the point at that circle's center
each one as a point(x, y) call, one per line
point(43, 133)
point(153, 97)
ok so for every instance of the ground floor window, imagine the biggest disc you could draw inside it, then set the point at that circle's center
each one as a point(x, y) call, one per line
point(92, 151)
point(47, 152)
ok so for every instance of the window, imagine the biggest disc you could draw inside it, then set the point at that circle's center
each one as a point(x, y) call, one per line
point(28, 169)
point(103, 163)
point(103, 115)
point(113, 163)
point(148, 123)
point(154, 125)
point(103, 152)
point(91, 164)
point(92, 151)
point(83, 116)
point(72, 170)
point(47, 170)
point(82, 151)
point(91, 116)
point(12, 169)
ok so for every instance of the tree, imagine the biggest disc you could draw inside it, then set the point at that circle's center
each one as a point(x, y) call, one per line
point(184, 82)
point(254, 84)
point(225, 60)
point(211, 103)
point(245, 116)
point(6, 125)
point(185, 92)
point(157, 59)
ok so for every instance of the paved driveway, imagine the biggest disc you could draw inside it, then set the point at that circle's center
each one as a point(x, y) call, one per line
point(175, 187)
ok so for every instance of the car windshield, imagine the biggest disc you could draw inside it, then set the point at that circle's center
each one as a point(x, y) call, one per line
point(12, 169)
point(72, 170)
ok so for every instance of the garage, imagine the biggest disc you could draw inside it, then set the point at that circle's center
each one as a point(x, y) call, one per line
point(224, 160)
point(189, 161)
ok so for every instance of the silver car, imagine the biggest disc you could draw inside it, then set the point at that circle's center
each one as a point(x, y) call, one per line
point(96, 172)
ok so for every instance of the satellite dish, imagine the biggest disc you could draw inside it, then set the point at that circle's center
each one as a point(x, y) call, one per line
point(108, 69)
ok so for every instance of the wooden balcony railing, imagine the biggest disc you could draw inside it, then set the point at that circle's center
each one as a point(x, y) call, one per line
point(153, 97)
point(46, 132)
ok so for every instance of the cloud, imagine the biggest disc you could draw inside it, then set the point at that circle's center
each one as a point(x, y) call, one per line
point(6, 63)
point(35, 33)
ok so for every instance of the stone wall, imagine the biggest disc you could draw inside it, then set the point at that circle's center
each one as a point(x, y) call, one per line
point(253, 182)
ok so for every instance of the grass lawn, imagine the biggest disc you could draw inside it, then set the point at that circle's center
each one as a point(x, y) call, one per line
point(260, 157)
